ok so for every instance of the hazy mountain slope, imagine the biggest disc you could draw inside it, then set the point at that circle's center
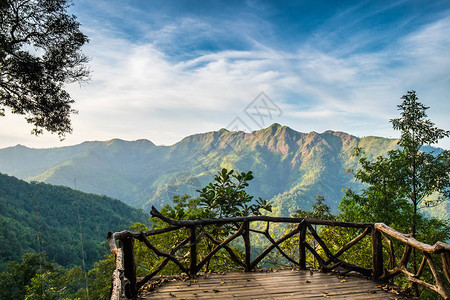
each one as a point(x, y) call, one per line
point(289, 166)
point(38, 216)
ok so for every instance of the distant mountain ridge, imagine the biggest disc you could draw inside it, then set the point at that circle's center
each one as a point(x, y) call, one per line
point(290, 167)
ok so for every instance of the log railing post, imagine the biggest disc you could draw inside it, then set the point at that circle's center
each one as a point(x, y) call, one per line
point(377, 254)
point(302, 247)
point(446, 264)
point(246, 237)
point(193, 251)
point(127, 245)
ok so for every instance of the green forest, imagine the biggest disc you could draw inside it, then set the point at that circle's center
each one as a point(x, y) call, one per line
point(53, 231)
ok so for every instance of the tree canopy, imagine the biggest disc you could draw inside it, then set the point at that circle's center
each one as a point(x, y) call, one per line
point(406, 174)
point(40, 52)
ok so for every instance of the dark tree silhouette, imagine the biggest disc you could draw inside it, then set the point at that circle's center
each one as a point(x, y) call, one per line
point(40, 52)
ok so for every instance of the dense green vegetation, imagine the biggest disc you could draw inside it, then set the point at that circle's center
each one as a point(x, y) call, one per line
point(37, 217)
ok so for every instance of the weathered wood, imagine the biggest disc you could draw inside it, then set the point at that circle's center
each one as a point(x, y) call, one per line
point(446, 264)
point(349, 244)
point(220, 246)
point(117, 286)
point(117, 291)
point(125, 233)
point(302, 247)
point(320, 241)
point(349, 267)
point(438, 247)
point(233, 256)
point(247, 248)
point(149, 245)
point(193, 251)
point(388, 274)
point(391, 252)
point(377, 254)
point(163, 263)
point(319, 258)
point(421, 267)
point(283, 284)
point(411, 277)
point(129, 267)
point(270, 247)
point(267, 235)
point(440, 287)
point(203, 222)
point(124, 277)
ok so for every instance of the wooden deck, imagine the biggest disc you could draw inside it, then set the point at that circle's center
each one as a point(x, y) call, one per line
point(283, 284)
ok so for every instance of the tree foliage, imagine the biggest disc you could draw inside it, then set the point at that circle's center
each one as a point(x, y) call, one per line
point(39, 53)
point(37, 277)
point(37, 217)
point(404, 180)
point(319, 211)
point(226, 196)
point(406, 174)
point(422, 173)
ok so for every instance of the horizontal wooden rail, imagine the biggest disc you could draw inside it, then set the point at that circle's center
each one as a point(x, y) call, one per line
point(438, 247)
point(126, 286)
point(204, 222)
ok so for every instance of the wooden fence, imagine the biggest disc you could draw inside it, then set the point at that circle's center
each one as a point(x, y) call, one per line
point(126, 286)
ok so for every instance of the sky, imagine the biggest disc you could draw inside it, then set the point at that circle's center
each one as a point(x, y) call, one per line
point(163, 70)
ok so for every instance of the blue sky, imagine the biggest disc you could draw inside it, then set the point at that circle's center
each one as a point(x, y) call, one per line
point(163, 70)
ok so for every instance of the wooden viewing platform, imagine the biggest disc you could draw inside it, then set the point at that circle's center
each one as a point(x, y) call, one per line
point(195, 244)
point(283, 284)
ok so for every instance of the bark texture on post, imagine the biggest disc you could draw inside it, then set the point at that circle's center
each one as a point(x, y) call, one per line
point(246, 236)
point(446, 264)
point(377, 254)
point(193, 251)
point(302, 247)
point(129, 267)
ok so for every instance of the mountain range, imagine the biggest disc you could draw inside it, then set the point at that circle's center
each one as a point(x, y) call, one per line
point(290, 167)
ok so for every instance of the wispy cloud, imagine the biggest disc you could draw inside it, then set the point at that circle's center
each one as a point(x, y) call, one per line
point(147, 89)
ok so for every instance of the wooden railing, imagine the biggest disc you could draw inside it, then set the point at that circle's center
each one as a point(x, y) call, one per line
point(126, 286)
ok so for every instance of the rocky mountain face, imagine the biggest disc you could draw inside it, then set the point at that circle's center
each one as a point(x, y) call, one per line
point(290, 167)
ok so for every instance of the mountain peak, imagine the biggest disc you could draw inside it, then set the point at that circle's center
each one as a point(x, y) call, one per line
point(275, 125)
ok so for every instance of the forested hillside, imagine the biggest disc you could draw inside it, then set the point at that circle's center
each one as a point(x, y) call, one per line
point(38, 217)
point(289, 166)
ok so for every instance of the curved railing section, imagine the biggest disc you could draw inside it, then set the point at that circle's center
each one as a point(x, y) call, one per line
point(126, 286)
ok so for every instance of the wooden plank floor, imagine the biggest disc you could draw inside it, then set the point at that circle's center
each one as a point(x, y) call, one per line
point(283, 284)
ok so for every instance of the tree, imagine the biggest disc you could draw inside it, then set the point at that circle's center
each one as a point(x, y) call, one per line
point(406, 173)
point(226, 196)
point(14, 280)
point(319, 211)
point(222, 198)
point(403, 181)
point(39, 53)
point(422, 173)
point(384, 200)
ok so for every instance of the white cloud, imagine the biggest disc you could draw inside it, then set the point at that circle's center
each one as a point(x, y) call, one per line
point(138, 91)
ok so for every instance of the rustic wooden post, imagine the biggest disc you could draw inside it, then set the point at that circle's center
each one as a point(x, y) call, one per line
point(193, 251)
point(377, 254)
point(446, 264)
point(129, 266)
point(246, 237)
point(302, 247)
